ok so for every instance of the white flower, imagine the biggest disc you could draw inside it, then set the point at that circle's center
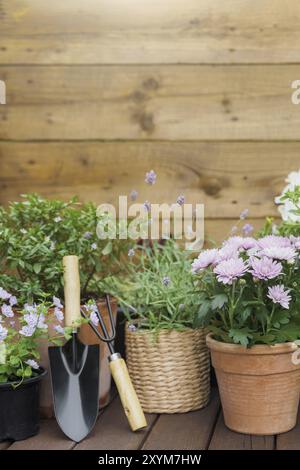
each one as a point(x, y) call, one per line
point(32, 363)
point(286, 208)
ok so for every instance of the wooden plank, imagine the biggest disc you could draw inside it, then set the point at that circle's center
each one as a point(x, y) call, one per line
point(224, 439)
point(225, 176)
point(152, 31)
point(49, 438)
point(187, 431)
point(290, 440)
point(184, 102)
point(112, 431)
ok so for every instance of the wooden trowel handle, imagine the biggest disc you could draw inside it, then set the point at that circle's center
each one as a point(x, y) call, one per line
point(72, 290)
point(128, 396)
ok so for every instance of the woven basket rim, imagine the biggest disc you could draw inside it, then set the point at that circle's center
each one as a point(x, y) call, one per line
point(161, 330)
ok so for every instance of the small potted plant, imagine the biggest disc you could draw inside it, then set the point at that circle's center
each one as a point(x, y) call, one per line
point(167, 357)
point(249, 296)
point(20, 372)
point(35, 234)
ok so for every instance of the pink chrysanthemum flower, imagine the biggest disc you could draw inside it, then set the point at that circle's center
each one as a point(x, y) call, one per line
point(281, 252)
point(240, 243)
point(265, 268)
point(279, 295)
point(273, 241)
point(228, 251)
point(205, 259)
point(295, 241)
point(229, 270)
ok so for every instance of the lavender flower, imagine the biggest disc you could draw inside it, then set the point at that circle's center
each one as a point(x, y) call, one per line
point(150, 177)
point(131, 252)
point(94, 246)
point(281, 253)
point(31, 319)
point(32, 363)
point(180, 200)
point(244, 214)
point(132, 327)
point(147, 206)
point(56, 302)
point(58, 314)
point(87, 235)
point(229, 270)
point(59, 329)
point(94, 318)
point(4, 295)
point(265, 268)
point(247, 229)
point(27, 330)
point(7, 311)
point(133, 195)
point(279, 295)
point(41, 322)
point(13, 301)
point(166, 281)
point(3, 333)
point(205, 259)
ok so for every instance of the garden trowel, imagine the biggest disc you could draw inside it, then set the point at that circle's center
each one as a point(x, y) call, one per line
point(74, 367)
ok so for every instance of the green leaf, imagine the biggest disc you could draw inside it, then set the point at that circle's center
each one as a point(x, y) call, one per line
point(107, 249)
point(219, 301)
point(241, 336)
point(37, 268)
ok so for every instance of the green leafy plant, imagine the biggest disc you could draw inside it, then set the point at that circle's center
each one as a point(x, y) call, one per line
point(21, 330)
point(249, 290)
point(36, 233)
point(158, 291)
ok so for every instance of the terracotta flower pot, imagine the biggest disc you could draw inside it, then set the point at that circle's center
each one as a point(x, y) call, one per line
point(259, 387)
point(87, 336)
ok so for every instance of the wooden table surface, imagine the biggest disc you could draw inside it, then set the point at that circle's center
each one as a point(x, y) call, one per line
point(198, 430)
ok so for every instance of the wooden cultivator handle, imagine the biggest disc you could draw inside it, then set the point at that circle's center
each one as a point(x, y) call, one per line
point(128, 396)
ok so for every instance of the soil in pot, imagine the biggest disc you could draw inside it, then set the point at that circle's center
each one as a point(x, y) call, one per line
point(259, 387)
point(19, 409)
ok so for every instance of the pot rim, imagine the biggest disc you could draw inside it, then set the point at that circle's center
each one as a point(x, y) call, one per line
point(42, 373)
point(162, 330)
point(256, 350)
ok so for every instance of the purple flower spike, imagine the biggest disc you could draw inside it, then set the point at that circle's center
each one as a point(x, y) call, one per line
point(147, 206)
point(166, 281)
point(247, 229)
point(151, 177)
point(133, 195)
point(244, 214)
point(279, 295)
point(13, 301)
point(87, 235)
point(229, 270)
point(265, 268)
point(180, 200)
point(59, 329)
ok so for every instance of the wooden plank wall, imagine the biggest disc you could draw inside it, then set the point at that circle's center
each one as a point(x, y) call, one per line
point(100, 91)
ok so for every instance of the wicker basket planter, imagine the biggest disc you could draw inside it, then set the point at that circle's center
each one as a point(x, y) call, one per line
point(170, 371)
